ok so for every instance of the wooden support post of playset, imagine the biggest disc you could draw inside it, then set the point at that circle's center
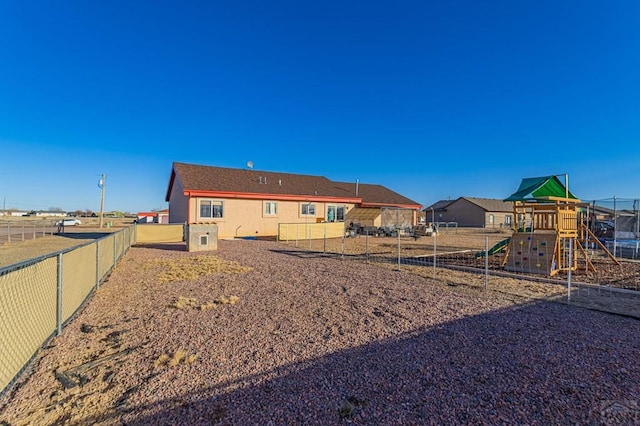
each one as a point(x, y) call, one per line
point(590, 266)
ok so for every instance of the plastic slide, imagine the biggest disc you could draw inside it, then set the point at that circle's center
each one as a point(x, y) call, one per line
point(495, 249)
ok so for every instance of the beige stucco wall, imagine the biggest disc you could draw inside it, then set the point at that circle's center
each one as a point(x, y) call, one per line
point(244, 218)
point(465, 213)
point(178, 203)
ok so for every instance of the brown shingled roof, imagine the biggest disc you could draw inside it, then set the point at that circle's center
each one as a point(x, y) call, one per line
point(378, 194)
point(244, 181)
point(491, 204)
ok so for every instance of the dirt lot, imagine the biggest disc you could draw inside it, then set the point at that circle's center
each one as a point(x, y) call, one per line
point(19, 251)
point(262, 333)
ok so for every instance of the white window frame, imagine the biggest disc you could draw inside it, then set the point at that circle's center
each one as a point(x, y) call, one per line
point(212, 202)
point(310, 209)
point(336, 207)
point(270, 208)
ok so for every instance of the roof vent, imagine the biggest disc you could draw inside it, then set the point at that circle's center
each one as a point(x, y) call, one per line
point(315, 192)
point(260, 180)
point(280, 182)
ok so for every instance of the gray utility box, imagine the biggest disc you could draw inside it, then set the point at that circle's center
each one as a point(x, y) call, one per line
point(202, 237)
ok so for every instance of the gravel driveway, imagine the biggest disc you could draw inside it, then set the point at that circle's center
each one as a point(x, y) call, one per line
point(305, 339)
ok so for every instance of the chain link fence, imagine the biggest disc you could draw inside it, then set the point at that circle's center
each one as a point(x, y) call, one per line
point(616, 223)
point(459, 249)
point(39, 296)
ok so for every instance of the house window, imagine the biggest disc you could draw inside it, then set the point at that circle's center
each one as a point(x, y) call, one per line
point(270, 208)
point(335, 213)
point(210, 209)
point(507, 220)
point(491, 219)
point(308, 209)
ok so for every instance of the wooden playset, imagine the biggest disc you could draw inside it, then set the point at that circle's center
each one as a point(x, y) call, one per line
point(550, 234)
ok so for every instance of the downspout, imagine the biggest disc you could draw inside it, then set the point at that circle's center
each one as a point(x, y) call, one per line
point(188, 207)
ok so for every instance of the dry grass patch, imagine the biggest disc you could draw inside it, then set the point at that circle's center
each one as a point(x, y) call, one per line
point(192, 268)
point(191, 302)
point(183, 302)
point(179, 357)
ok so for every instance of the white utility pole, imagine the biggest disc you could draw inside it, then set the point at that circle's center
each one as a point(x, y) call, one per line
point(102, 183)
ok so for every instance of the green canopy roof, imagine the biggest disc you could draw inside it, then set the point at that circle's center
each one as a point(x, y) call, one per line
point(539, 189)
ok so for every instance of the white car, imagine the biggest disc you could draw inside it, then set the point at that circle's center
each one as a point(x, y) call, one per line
point(68, 222)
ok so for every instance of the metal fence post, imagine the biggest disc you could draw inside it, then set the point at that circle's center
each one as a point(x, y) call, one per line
point(366, 244)
point(22, 231)
point(486, 262)
point(570, 267)
point(59, 297)
point(34, 230)
point(9, 232)
point(97, 264)
point(324, 240)
point(435, 250)
point(398, 232)
point(115, 251)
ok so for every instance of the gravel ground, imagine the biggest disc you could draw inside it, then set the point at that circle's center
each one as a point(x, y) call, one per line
point(305, 339)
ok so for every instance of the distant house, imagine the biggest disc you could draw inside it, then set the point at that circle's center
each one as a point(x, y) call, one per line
point(472, 212)
point(246, 202)
point(436, 211)
point(146, 217)
point(160, 216)
point(14, 213)
point(50, 214)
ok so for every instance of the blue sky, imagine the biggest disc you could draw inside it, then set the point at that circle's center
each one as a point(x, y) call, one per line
point(431, 99)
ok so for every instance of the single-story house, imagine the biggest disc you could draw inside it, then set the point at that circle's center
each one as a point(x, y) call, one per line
point(14, 213)
point(472, 212)
point(160, 216)
point(146, 217)
point(247, 202)
point(50, 214)
point(436, 211)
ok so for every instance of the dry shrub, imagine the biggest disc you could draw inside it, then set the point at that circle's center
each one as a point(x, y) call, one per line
point(222, 300)
point(162, 359)
point(179, 357)
point(208, 305)
point(192, 267)
point(182, 302)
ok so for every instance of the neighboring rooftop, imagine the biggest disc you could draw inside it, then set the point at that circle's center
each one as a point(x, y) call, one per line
point(490, 204)
point(248, 181)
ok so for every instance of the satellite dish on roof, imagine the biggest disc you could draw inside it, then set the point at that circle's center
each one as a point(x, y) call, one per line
point(250, 164)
